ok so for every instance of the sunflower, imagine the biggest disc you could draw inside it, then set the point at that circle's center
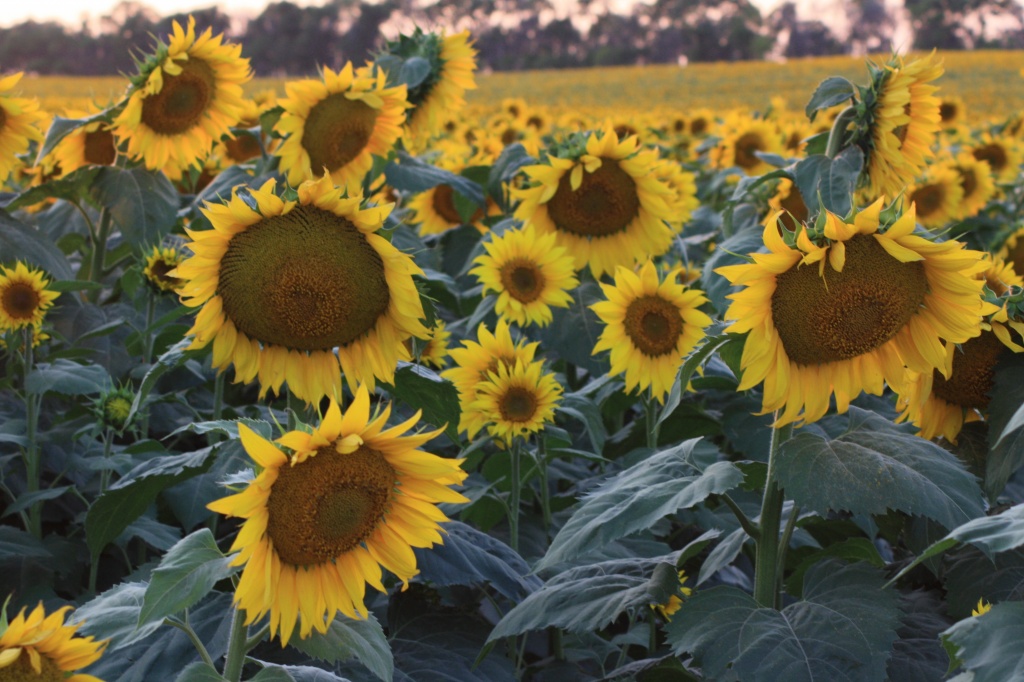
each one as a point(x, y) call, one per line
point(434, 210)
point(650, 326)
point(742, 136)
point(242, 147)
point(787, 205)
point(683, 198)
point(435, 349)
point(701, 122)
point(952, 111)
point(90, 145)
point(938, 196)
point(903, 123)
point(187, 96)
point(24, 298)
point(514, 400)
point(338, 123)
point(292, 290)
point(1003, 154)
point(18, 339)
point(605, 205)
point(322, 521)
point(19, 125)
point(453, 63)
point(43, 648)
point(1012, 250)
point(160, 262)
point(529, 273)
point(876, 302)
point(669, 608)
point(977, 183)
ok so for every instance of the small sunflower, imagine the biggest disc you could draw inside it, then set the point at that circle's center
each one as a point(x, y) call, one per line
point(982, 608)
point(787, 205)
point(529, 273)
point(338, 123)
point(187, 96)
point(434, 210)
point(904, 121)
point(40, 647)
point(160, 262)
point(320, 523)
point(952, 111)
point(453, 63)
point(701, 122)
point(19, 125)
point(669, 608)
point(742, 136)
point(90, 145)
point(514, 400)
point(977, 183)
point(876, 302)
point(294, 289)
point(24, 298)
point(604, 202)
point(435, 348)
point(938, 196)
point(18, 338)
point(683, 198)
point(1003, 154)
point(650, 326)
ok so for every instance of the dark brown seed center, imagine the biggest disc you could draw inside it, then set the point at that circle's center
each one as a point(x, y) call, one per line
point(974, 364)
point(517, 405)
point(605, 203)
point(183, 100)
point(653, 325)
point(336, 131)
point(21, 300)
point(522, 279)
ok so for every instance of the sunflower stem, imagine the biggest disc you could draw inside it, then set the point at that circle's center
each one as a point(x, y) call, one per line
point(787, 535)
point(837, 135)
point(99, 251)
point(108, 443)
point(237, 641)
point(746, 523)
point(193, 637)
point(651, 419)
point(545, 494)
point(218, 405)
point(513, 505)
point(32, 468)
point(766, 570)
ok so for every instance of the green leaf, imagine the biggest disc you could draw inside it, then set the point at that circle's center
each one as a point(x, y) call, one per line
point(636, 498)
point(686, 372)
point(807, 174)
point(228, 427)
point(31, 246)
point(588, 413)
point(1005, 414)
point(410, 174)
point(187, 572)
point(851, 549)
point(843, 629)
point(730, 252)
point(470, 557)
point(589, 597)
point(836, 187)
point(414, 71)
point(173, 357)
point(71, 187)
point(28, 499)
point(295, 673)
point(918, 656)
point(17, 545)
point(990, 645)
point(506, 167)
point(67, 378)
point(61, 127)
point(81, 285)
point(114, 615)
point(128, 498)
point(424, 389)
point(830, 92)
point(346, 638)
point(199, 672)
point(142, 203)
point(876, 466)
point(574, 330)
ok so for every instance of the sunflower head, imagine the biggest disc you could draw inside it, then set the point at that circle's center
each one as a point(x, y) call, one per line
point(669, 608)
point(113, 408)
point(977, 182)
point(159, 264)
point(434, 350)
point(293, 290)
point(938, 195)
point(743, 137)
point(20, 120)
point(842, 309)
point(187, 94)
point(514, 400)
point(329, 509)
point(24, 298)
point(39, 647)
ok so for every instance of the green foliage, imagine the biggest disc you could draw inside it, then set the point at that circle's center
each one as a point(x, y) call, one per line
point(830, 92)
point(345, 638)
point(988, 646)
point(186, 574)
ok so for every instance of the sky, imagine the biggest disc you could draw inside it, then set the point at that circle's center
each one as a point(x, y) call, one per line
point(73, 12)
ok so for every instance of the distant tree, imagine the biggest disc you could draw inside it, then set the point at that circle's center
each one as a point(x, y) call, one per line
point(802, 38)
point(286, 39)
point(959, 24)
point(871, 26)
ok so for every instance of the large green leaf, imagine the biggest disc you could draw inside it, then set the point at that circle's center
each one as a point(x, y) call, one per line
point(424, 389)
point(841, 631)
point(918, 656)
point(295, 673)
point(409, 174)
point(143, 204)
point(114, 615)
point(590, 597)
point(989, 646)
point(18, 240)
point(636, 498)
point(71, 186)
point(829, 93)
point(187, 572)
point(68, 378)
point(970, 575)
point(876, 466)
point(1005, 418)
point(345, 638)
point(129, 497)
point(199, 672)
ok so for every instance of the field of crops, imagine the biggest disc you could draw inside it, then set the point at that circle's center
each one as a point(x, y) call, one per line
point(408, 373)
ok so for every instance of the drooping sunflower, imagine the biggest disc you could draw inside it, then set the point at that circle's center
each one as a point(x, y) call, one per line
point(669, 608)
point(742, 136)
point(903, 123)
point(294, 289)
point(19, 125)
point(40, 647)
point(188, 94)
point(453, 64)
point(338, 123)
point(1003, 153)
point(435, 349)
point(938, 196)
point(876, 301)
point(605, 203)
point(529, 273)
point(160, 262)
point(977, 182)
point(90, 145)
point(24, 298)
point(650, 327)
point(514, 400)
point(320, 522)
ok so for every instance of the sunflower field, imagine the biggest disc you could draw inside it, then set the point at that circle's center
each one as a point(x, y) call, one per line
point(349, 379)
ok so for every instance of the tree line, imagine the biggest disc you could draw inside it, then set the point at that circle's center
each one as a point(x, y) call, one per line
point(288, 39)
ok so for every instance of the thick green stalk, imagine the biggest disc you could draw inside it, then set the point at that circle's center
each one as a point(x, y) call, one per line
point(651, 412)
point(515, 480)
point(766, 569)
point(99, 252)
point(837, 135)
point(237, 641)
point(32, 464)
